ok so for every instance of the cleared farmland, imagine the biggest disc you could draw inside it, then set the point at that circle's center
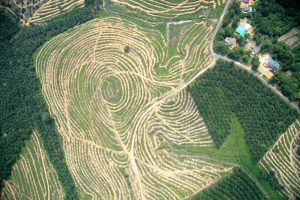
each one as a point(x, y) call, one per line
point(53, 8)
point(33, 176)
point(282, 159)
point(166, 9)
point(118, 113)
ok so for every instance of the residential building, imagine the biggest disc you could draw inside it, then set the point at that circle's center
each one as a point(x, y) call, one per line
point(230, 41)
point(272, 64)
point(255, 49)
point(243, 28)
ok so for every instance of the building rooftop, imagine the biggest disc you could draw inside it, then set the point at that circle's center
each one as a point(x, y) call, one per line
point(241, 30)
point(230, 40)
point(289, 73)
point(272, 64)
point(255, 49)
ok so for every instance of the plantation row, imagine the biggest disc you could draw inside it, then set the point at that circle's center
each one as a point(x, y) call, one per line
point(225, 90)
point(282, 160)
point(168, 10)
point(51, 9)
point(33, 177)
point(118, 114)
point(236, 186)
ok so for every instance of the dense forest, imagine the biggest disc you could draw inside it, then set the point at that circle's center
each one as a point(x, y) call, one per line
point(236, 186)
point(23, 107)
point(270, 20)
point(224, 90)
point(276, 17)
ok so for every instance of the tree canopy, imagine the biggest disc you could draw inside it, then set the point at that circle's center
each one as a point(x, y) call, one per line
point(226, 89)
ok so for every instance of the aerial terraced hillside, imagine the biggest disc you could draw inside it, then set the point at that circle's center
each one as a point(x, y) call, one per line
point(33, 176)
point(38, 11)
point(118, 114)
point(116, 87)
point(283, 160)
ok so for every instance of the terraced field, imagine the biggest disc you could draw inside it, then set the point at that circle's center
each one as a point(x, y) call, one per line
point(118, 95)
point(38, 11)
point(167, 9)
point(283, 160)
point(53, 8)
point(33, 176)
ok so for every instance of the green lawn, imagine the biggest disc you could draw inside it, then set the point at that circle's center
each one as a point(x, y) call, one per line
point(235, 150)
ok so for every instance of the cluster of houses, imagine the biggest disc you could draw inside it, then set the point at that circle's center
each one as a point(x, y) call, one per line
point(268, 66)
point(242, 30)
